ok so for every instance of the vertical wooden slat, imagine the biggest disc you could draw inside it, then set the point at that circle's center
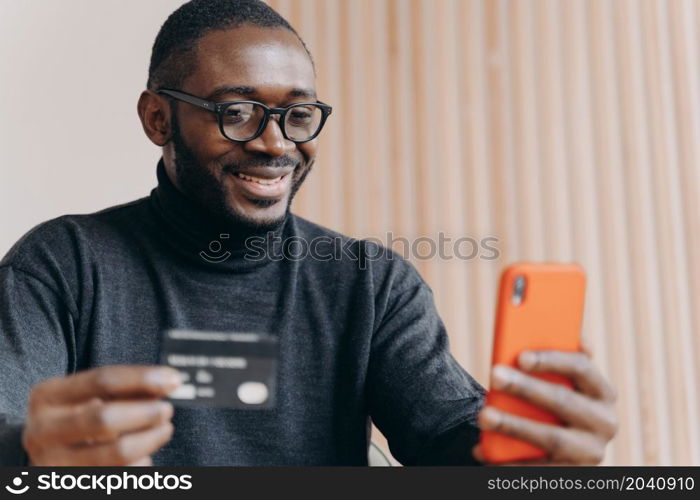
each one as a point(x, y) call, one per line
point(644, 278)
point(367, 179)
point(582, 182)
point(403, 155)
point(326, 52)
point(619, 323)
point(671, 243)
point(476, 132)
point(527, 138)
point(378, 88)
point(357, 170)
point(449, 168)
point(685, 38)
point(550, 125)
point(425, 134)
point(500, 61)
point(348, 153)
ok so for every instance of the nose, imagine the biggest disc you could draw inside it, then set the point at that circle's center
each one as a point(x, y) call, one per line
point(271, 141)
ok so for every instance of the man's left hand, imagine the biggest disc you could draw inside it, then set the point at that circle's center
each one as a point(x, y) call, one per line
point(587, 411)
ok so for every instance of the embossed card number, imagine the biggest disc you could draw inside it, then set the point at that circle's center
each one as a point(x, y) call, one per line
point(222, 369)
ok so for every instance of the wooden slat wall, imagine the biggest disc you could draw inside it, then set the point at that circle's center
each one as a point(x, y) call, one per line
point(569, 130)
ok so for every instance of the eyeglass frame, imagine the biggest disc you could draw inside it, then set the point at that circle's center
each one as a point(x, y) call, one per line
point(220, 107)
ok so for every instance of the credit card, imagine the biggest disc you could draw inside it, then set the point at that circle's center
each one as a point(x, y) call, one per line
point(222, 369)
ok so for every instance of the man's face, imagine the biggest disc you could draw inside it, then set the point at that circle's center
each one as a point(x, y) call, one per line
point(247, 63)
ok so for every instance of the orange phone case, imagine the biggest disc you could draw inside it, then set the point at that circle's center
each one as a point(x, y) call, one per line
point(548, 318)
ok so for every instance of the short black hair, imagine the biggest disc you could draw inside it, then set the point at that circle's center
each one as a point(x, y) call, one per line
point(173, 55)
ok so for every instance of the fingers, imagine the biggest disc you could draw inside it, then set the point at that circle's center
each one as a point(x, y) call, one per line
point(586, 346)
point(97, 421)
point(561, 444)
point(588, 410)
point(575, 365)
point(127, 449)
point(108, 382)
point(104, 416)
point(572, 407)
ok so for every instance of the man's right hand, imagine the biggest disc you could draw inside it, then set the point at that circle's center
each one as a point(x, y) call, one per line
point(111, 415)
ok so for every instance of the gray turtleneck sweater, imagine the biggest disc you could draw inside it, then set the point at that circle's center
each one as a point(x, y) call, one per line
point(359, 336)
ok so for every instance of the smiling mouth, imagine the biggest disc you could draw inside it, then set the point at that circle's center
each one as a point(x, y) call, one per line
point(263, 187)
point(261, 180)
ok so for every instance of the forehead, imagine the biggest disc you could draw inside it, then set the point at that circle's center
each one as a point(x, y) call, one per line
point(268, 59)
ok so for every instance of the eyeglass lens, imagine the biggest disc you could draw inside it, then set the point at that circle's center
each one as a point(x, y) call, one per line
point(241, 121)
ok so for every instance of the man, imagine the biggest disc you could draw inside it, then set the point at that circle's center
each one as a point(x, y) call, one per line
point(83, 299)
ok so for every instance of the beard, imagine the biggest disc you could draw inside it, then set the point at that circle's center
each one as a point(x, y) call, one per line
point(199, 183)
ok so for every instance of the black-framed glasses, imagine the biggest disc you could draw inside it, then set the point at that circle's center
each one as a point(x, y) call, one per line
point(243, 121)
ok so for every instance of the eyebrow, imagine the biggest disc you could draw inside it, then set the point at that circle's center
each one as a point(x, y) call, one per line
point(248, 92)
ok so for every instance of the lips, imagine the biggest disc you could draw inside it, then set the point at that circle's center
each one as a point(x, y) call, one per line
point(264, 187)
point(263, 173)
point(259, 180)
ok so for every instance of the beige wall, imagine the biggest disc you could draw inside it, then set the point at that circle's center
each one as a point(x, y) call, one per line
point(85, 62)
point(568, 129)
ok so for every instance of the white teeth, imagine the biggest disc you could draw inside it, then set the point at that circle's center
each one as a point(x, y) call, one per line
point(260, 180)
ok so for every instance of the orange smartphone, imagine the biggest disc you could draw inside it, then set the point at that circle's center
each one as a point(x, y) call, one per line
point(540, 307)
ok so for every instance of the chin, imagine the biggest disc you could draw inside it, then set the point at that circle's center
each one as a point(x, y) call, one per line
point(259, 214)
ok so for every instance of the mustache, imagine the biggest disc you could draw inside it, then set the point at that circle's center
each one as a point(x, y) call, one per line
point(261, 161)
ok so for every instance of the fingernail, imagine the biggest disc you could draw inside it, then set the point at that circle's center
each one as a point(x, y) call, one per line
point(165, 409)
point(500, 376)
point(527, 360)
point(159, 408)
point(490, 417)
point(164, 377)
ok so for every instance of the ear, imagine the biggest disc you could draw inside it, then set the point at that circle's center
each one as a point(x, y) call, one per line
point(154, 113)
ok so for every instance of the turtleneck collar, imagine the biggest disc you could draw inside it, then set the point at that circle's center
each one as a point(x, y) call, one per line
point(204, 238)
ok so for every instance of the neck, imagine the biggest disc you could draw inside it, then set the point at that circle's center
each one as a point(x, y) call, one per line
point(203, 236)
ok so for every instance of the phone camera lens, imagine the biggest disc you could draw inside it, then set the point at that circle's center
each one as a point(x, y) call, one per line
point(518, 290)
